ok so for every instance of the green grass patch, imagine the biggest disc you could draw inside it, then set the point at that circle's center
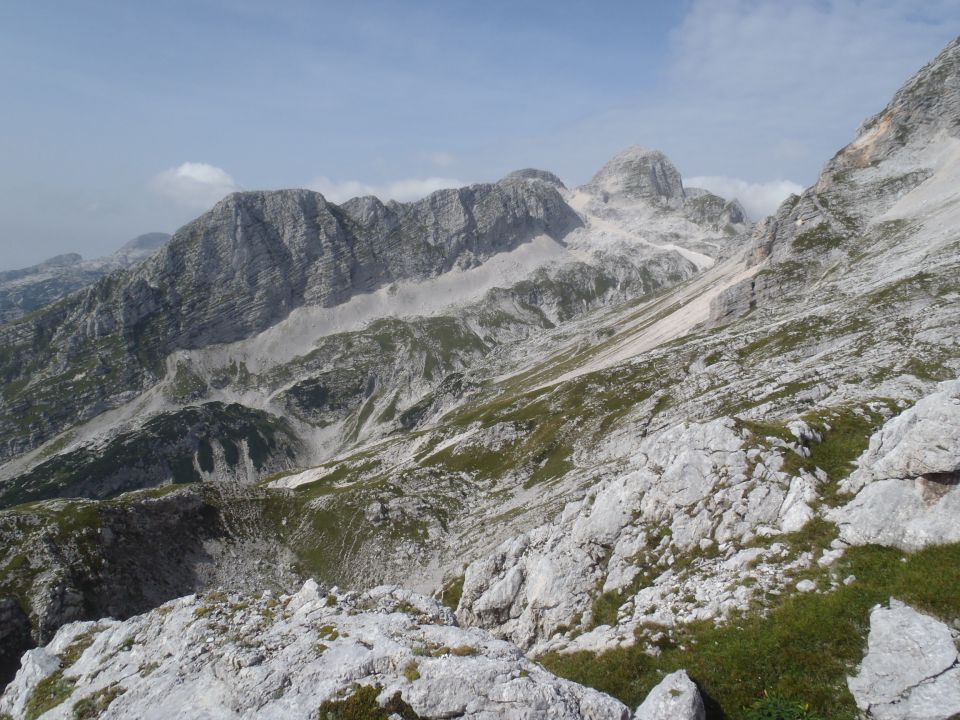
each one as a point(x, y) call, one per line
point(452, 592)
point(820, 238)
point(362, 704)
point(49, 692)
point(93, 706)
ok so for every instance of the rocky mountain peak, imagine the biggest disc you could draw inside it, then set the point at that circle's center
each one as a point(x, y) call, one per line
point(638, 172)
point(534, 174)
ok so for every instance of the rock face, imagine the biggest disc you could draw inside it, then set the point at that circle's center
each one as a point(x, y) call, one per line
point(906, 481)
point(75, 560)
point(248, 657)
point(24, 291)
point(705, 208)
point(212, 441)
point(894, 152)
point(648, 176)
point(534, 174)
point(675, 698)
point(923, 441)
point(14, 638)
point(911, 670)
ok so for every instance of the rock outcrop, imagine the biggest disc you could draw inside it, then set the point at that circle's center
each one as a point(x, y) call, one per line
point(638, 173)
point(686, 489)
point(30, 289)
point(911, 670)
point(291, 657)
point(907, 480)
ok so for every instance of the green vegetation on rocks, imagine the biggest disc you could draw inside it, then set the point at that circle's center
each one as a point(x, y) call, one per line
point(361, 704)
point(802, 647)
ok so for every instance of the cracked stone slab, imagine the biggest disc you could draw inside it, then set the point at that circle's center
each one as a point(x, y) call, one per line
point(911, 670)
point(922, 441)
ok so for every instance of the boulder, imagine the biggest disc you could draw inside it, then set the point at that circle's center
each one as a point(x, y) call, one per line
point(910, 670)
point(675, 698)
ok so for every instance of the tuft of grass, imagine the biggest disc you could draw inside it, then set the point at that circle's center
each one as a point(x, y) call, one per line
point(49, 692)
point(452, 592)
point(93, 706)
point(803, 648)
point(76, 648)
point(412, 671)
point(362, 704)
point(774, 706)
point(328, 632)
point(819, 238)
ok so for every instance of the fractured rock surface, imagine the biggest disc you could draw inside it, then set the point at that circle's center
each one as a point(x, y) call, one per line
point(245, 657)
point(907, 479)
point(911, 670)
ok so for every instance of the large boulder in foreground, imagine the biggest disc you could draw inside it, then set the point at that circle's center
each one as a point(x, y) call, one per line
point(910, 670)
point(675, 698)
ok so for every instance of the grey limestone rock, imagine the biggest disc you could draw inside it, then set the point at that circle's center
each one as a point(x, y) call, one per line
point(534, 174)
point(638, 172)
point(911, 670)
point(906, 480)
point(263, 657)
point(30, 289)
point(676, 697)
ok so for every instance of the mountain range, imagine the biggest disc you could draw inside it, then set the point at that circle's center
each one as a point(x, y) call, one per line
point(513, 450)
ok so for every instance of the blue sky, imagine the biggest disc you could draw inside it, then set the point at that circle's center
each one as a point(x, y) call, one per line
point(124, 117)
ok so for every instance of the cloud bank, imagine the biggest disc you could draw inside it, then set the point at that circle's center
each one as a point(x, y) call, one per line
point(194, 185)
point(403, 190)
point(758, 199)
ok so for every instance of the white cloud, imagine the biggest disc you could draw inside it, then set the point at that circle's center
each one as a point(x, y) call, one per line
point(403, 190)
point(195, 185)
point(758, 199)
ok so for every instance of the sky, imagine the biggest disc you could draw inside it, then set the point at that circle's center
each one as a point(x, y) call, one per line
point(120, 118)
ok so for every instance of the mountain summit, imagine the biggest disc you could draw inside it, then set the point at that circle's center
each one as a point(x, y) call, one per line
point(638, 172)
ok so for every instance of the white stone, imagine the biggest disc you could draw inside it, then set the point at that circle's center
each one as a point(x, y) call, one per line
point(910, 669)
point(676, 697)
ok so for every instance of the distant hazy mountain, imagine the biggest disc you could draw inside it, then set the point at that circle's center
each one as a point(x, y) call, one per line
point(28, 289)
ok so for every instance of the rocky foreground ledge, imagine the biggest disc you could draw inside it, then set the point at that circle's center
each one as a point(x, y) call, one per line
point(383, 653)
